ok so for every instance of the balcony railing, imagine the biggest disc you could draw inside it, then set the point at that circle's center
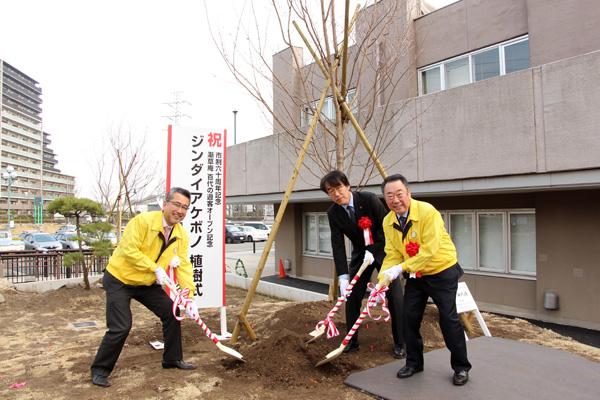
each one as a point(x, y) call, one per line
point(24, 90)
point(24, 80)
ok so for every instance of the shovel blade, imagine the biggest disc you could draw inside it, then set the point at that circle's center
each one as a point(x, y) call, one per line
point(230, 351)
point(331, 356)
point(316, 334)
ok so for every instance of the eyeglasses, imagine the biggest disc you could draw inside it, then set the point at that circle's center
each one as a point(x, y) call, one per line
point(337, 189)
point(179, 205)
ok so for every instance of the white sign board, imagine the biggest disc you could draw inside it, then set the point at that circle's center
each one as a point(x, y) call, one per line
point(196, 162)
point(466, 303)
point(464, 300)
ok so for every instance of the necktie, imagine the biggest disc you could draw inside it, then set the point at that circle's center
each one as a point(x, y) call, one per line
point(167, 233)
point(351, 213)
point(402, 221)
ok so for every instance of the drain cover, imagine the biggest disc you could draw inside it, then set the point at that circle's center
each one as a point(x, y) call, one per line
point(84, 324)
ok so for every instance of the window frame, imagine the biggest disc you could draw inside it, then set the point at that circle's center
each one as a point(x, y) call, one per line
point(317, 217)
point(442, 64)
point(306, 110)
point(507, 270)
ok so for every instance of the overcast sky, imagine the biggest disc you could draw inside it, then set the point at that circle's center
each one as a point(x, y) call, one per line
point(101, 63)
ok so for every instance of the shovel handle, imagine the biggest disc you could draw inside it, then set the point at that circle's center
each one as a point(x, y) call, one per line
point(349, 288)
point(205, 328)
point(383, 282)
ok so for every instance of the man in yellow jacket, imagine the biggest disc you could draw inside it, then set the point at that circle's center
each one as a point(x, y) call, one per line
point(418, 246)
point(136, 270)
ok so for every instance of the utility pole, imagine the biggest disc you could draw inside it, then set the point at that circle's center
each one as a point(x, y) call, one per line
point(234, 127)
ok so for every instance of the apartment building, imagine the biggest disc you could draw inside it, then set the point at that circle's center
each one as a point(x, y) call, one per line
point(501, 133)
point(25, 146)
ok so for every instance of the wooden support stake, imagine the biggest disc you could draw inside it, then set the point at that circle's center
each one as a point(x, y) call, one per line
point(263, 259)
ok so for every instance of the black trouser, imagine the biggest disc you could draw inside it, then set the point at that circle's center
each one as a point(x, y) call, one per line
point(441, 288)
point(118, 321)
point(395, 303)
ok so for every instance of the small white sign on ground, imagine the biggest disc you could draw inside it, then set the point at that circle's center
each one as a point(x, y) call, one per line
point(466, 303)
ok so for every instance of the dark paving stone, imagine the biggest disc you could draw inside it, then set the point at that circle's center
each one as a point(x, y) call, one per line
point(502, 369)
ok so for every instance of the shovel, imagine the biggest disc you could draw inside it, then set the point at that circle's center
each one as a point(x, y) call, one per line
point(322, 325)
point(208, 332)
point(370, 303)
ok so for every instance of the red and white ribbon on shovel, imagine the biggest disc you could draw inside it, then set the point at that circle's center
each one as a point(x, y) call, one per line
point(378, 295)
point(172, 276)
point(365, 224)
point(327, 322)
point(332, 331)
point(182, 298)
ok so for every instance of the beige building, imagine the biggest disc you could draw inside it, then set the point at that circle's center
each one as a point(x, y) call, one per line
point(508, 150)
point(25, 146)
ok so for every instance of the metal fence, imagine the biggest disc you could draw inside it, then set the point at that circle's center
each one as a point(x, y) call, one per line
point(34, 266)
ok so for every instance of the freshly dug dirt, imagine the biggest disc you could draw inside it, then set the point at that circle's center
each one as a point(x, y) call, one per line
point(41, 348)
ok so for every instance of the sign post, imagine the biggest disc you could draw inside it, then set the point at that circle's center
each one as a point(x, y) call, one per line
point(38, 210)
point(196, 162)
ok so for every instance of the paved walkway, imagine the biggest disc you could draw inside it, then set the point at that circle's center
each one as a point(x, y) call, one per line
point(502, 369)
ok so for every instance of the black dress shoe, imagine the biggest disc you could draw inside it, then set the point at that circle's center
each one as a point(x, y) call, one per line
point(350, 347)
point(407, 372)
point(399, 352)
point(177, 364)
point(460, 378)
point(100, 380)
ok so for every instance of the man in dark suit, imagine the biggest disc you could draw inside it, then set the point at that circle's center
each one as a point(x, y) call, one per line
point(344, 216)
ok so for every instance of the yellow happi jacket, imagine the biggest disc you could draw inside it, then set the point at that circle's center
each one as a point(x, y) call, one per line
point(436, 250)
point(136, 257)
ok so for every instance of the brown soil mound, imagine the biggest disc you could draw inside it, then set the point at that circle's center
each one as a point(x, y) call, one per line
point(41, 347)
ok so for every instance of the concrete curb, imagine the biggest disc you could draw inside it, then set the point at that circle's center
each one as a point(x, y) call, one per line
point(271, 289)
point(266, 288)
point(44, 286)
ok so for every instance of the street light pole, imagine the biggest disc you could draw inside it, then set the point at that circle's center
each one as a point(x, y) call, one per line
point(9, 177)
point(234, 126)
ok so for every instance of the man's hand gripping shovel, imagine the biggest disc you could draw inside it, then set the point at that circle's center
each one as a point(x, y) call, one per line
point(182, 298)
point(377, 295)
point(327, 323)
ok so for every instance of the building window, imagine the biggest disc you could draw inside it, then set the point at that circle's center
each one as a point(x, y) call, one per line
point(328, 109)
point(316, 234)
point(496, 241)
point(522, 243)
point(462, 236)
point(489, 62)
point(491, 242)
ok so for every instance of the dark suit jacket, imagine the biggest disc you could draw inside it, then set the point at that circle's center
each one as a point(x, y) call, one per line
point(366, 204)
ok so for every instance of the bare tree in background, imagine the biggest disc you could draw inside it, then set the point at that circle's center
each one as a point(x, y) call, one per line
point(125, 168)
point(374, 77)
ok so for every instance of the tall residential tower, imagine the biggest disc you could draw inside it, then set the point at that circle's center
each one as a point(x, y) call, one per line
point(25, 146)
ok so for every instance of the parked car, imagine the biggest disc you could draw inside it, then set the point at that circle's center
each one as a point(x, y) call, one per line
point(234, 234)
point(110, 236)
point(66, 228)
point(11, 245)
point(258, 225)
point(41, 241)
point(69, 241)
point(22, 235)
point(5, 235)
point(255, 235)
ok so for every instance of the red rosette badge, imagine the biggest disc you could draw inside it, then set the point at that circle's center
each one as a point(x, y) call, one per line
point(365, 224)
point(412, 249)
